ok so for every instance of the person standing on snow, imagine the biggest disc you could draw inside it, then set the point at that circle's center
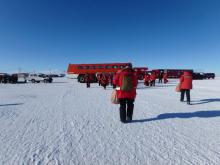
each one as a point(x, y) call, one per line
point(99, 77)
point(146, 79)
point(87, 80)
point(126, 82)
point(104, 80)
point(185, 86)
point(160, 77)
point(152, 79)
point(165, 78)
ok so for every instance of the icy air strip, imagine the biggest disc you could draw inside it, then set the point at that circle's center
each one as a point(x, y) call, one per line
point(66, 123)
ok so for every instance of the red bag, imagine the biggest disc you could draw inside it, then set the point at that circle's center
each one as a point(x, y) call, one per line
point(178, 88)
point(114, 98)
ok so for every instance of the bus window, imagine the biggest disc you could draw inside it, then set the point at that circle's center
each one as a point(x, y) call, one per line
point(114, 66)
point(107, 67)
point(122, 66)
point(86, 67)
point(80, 67)
point(100, 67)
point(93, 67)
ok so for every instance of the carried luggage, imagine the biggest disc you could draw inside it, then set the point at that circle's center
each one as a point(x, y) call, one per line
point(114, 98)
point(178, 88)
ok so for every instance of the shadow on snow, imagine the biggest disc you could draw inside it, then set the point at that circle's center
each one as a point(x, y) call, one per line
point(2, 105)
point(201, 114)
point(155, 87)
point(204, 101)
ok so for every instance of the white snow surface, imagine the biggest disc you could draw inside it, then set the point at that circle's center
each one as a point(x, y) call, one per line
point(66, 123)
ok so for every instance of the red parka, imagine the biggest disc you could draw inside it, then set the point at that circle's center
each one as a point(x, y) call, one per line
point(152, 77)
point(99, 76)
point(147, 77)
point(165, 77)
point(186, 80)
point(104, 79)
point(118, 82)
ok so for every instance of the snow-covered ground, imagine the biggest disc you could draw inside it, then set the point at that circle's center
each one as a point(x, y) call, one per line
point(66, 123)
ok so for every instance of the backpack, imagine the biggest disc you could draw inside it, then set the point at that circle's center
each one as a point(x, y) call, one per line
point(127, 85)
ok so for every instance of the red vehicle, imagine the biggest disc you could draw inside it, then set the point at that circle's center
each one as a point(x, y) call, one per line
point(171, 73)
point(93, 69)
point(140, 72)
point(105, 68)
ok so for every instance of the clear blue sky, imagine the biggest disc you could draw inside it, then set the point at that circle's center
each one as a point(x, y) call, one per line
point(49, 34)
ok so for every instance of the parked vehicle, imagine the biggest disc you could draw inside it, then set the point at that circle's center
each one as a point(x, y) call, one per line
point(21, 77)
point(104, 68)
point(209, 75)
point(7, 78)
point(92, 69)
point(4, 78)
point(37, 78)
point(198, 76)
point(13, 78)
point(62, 75)
point(171, 73)
point(140, 71)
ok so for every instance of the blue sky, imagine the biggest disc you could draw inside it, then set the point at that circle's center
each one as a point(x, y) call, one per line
point(49, 34)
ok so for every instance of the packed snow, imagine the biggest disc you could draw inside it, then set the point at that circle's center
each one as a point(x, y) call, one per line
point(66, 123)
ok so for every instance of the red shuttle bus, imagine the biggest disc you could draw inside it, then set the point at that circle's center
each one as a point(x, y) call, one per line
point(141, 71)
point(172, 73)
point(81, 69)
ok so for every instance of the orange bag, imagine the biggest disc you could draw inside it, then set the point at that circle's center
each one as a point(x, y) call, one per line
point(114, 98)
point(178, 88)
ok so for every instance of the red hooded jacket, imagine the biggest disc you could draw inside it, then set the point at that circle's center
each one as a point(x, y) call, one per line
point(104, 79)
point(118, 82)
point(147, 77)
point(186, 80)
point(152, 77)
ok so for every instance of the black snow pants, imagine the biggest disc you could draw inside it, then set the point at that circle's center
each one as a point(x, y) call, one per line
point(126, 109)
point(88, 85)
point(183, 91)
point(152, 83)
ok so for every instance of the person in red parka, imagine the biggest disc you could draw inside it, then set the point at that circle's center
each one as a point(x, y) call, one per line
point(87, 80)
point(152, 79)
point(99, 77)
point(104, 80)
point(146, 79)
point(165, 78)
point(126, 83)
point(186, 85)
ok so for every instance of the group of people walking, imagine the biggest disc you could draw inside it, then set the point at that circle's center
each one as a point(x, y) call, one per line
point(125, 81)
point(150, 78)
point(103, 79)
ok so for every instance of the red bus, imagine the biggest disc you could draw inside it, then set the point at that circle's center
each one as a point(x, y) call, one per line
point(172, 73)
point(81, 69)
point(141, 71)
